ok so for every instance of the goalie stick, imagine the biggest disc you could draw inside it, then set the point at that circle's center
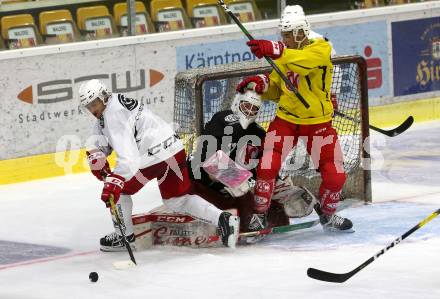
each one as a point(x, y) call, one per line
point(339, 278)
point(273, 230)
point(281, 229)
point(391, 133)
point(122, 264)
point(270, 61)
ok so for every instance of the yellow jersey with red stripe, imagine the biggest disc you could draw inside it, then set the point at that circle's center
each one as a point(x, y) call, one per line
point(310, 70)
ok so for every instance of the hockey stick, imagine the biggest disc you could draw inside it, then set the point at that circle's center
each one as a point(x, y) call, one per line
point(122, 264)
point(273, 230)
point(391, 133)
point(396, 131)
point(281, 229)
point(270, 61)
point(335, 277)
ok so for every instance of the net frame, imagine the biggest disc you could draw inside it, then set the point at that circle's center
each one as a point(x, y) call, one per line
point(190, 115)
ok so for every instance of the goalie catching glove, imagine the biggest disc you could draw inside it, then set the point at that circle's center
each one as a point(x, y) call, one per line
point(112, 187)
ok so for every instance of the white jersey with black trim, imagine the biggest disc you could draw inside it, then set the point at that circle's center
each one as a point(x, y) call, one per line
point(139, 137)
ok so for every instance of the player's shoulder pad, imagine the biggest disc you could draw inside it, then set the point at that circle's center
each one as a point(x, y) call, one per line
point(219, 121)
point(321, 45)
point(225, 117)
point(229, 117)
point(128, 103)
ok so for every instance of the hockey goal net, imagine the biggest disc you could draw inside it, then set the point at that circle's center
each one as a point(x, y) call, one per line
point(200, 93)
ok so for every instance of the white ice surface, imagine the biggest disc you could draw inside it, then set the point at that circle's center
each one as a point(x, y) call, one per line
point(66, 212)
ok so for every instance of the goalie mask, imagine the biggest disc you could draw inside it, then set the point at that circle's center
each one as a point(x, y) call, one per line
point(93, 90)
point(246, 107)
point(293, 20)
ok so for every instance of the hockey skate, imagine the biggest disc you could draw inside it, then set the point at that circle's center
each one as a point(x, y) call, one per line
point(257, 223)
point(336, 223)
point(113, 242)
point(228, 229)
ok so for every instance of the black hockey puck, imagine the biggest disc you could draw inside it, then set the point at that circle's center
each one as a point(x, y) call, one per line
point(93, 276)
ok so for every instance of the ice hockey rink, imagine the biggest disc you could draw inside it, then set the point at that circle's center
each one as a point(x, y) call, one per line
point(51, 228)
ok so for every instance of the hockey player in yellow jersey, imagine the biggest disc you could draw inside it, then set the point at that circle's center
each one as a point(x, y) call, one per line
point(306, 62)
point(313, 65)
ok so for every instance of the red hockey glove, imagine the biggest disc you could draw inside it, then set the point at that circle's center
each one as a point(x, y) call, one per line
point(113, 186)
point(98, 164)
point(258, 83)
point(261, 47)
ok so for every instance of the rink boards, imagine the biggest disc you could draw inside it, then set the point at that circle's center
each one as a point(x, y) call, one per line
point(39, 108)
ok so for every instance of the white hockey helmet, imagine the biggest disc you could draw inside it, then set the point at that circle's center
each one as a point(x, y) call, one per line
point(92, 90)
point(246, 106)
point(293, 19)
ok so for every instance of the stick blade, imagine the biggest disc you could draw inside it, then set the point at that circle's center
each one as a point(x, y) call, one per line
point(123, 265)
point(404, 126)
point(327, 276)
point(396, 131)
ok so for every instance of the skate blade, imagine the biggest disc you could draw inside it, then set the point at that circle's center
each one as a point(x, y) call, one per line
point(116, 249)
point(123, 265)
point(333, 230)
point(254, 239)
point(111, 249)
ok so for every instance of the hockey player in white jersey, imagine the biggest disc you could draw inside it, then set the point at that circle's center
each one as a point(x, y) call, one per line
point(146, 148)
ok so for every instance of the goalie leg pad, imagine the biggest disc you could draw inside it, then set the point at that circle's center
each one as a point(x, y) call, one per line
point(297, 201)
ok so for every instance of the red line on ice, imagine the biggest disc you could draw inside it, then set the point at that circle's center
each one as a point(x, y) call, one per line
point(45, 260)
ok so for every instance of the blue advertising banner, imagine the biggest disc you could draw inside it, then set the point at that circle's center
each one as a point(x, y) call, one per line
point(210, 54)
point(416, 56)
point(369, 40)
